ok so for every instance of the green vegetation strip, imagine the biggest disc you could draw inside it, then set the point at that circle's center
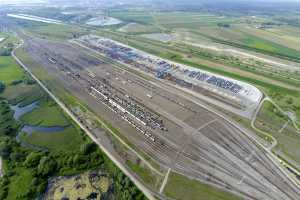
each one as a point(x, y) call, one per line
point(164, 52)
point(259, 45)
point(144, 173)
point(182, 188)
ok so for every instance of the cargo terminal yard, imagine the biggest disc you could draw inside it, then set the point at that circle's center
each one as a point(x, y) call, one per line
point(241, 97)
point(163, 122)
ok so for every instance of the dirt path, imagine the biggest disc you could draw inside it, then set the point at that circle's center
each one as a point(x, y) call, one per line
point(242, 54)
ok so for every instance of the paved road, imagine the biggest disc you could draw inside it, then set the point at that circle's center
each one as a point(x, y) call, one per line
point(163, 185)
point(145, 190)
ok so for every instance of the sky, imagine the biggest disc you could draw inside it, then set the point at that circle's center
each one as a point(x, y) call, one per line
point(19, 1)
point(40, 1)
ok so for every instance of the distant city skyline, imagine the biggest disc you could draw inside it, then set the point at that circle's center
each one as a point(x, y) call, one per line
point(43, 1)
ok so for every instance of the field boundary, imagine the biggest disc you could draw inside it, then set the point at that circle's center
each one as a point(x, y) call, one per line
point(283, 161)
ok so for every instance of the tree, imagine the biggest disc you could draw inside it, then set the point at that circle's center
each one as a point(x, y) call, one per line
point(28, 80)
point(42, 187)
point(46, 166)
point(78, 160)
point(2, 87)
point(87, 148)
point(6, 52)
point(33, 159)
point(5, 149)
point(16, 156)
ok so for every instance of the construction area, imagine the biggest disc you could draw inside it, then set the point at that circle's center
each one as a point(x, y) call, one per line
point(166, 122)
point(90, 185)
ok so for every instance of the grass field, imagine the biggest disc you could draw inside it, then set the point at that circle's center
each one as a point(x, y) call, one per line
point(267, 45)
point(66, 140)
point(182, 188)
point(142, 17)
point(47, 114)
point(57, 32)
point(22, 93)
point(9, 70)
point(19, 183)
point(145, 174)
point(284, 35)
point(135, 28)
point(272, 121)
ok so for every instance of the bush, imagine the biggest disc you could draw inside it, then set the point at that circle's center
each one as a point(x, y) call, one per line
point(3, 194)
point(87, 148)
point(41, 188)
point(6, 52)
point(16, 82)
point(5, 150)
point(28, 80)
point(46, 166)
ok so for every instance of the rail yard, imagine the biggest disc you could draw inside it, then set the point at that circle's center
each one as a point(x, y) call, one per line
point(162, 121)
point(241, 97)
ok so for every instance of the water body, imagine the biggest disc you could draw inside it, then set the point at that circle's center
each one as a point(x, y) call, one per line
point(35, 18)
point(19, 111)
point(103, 21)
point(29, 129)
point(52, 129)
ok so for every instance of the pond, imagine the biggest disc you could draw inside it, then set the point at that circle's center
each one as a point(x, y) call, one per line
point(19, 110)
point(103, 21)
point(28, 129)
